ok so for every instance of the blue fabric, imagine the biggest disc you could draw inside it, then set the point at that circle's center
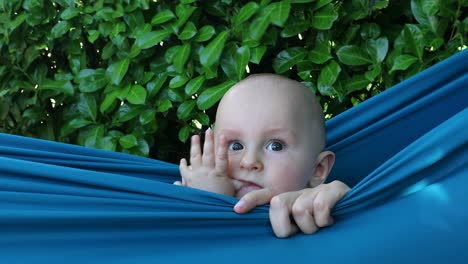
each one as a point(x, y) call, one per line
point(404, 152)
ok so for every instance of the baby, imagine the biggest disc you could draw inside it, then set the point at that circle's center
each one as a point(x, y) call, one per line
point(268, 147)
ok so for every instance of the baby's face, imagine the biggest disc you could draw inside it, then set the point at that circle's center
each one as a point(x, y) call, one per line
point(269, 143)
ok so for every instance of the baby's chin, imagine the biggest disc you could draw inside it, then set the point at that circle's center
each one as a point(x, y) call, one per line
point(246, 189)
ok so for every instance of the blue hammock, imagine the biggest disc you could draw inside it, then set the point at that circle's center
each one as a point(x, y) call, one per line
point(405, 152)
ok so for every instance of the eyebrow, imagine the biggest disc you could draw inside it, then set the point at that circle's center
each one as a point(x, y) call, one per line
point(269, 132)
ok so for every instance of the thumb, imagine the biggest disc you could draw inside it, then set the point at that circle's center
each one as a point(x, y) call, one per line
point(253, 199)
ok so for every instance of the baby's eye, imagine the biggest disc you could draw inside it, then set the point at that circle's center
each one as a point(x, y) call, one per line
point(235, 146)
point(275, 146)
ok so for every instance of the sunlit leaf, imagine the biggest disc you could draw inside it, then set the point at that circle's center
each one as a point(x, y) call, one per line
point(184, 110)
point(137, 95)
point(150, 39)
point(246, 12)
point(205, 33)
point(128, 141)
point(212, 52)
point(402, 62)
point(213, 94)
point(328, 76)
point(194, 84)
point(162, 17)
point(87, 106)
point(324, 17)
point(181, 57)
point(353, 55)
point(280, 12)
point(288, 58)
point(117, 70)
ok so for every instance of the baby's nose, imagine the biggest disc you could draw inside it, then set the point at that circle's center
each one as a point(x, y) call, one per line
point(251, 162)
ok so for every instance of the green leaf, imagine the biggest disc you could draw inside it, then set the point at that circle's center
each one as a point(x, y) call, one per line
point(178, 81)
point(379, 4)
point(353, 55)
point(181, 57)
point(91, 80)
point(183, 12)
point(203, 118)
point(94, 137)
point(155, 85)
point(162, 17)
point(176, 95)
point(212, 95)
point(184, 133)
point(61, 86)
point(280, 12)
point(87, 107)
point(421, 10)
point(108, 101)
point(17, 21)
point(235, 60)
point(171, 53)
point(377, 48)
point(288, 58)
point(194, 84)
point(150, 39)
point(321, 3)
point(257, 53)
point(356, 83)
point(69, 13)
point(323, 19)
point(147, 116)
point(321, 52)
point(128, 141)
point(117, 70)
point(259, 25)
point(78, 122)
point(60, 29)
point(143, 148)
point(212, 52)
point(185, 109)
point(328, 76)
point(375, 71)
point(294, 26)
point(246, 12)
point(205, 33)
point(414, 39)
point(164, 105)
point(108, 143)
point(189, 31)
point(402, 62)
point(127, 112)
point(137, 95)
point(93, 35)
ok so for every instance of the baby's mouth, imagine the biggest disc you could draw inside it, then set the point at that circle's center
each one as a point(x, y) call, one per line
point(246, 188)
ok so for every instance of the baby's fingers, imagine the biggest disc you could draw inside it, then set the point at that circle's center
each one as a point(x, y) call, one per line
point(208, 150)
point(184, 170)
point(221, 156)
point(195, 151)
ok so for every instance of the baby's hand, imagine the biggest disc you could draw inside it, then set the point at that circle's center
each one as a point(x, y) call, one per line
point(310, 208)
point(207, 171)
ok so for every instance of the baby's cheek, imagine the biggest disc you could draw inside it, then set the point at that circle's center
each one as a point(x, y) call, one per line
point(288, 178)
point(232, 167)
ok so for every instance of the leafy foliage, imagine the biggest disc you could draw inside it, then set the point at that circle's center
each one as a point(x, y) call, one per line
point(140, 76)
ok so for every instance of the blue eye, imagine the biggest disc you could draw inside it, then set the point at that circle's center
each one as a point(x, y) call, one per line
point(275, 146)
point(235, 146)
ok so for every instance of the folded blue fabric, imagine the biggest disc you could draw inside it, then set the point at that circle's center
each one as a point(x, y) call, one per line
point(404, 152)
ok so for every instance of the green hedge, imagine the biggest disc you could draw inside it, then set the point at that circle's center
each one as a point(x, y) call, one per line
point(140, 76)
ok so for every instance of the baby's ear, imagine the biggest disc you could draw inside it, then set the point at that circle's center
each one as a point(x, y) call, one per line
point(324, 164)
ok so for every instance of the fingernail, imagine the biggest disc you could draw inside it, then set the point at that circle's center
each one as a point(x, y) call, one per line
point(240, 205)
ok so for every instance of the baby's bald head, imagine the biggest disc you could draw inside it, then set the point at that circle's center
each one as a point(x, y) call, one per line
point(283, 98)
